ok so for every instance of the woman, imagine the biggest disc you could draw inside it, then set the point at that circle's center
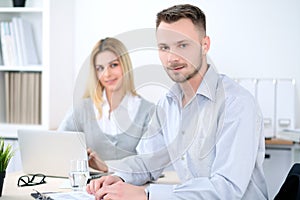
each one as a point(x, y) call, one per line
point(112, 115)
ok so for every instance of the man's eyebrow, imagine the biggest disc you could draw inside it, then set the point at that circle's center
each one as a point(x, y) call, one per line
point(177, 42)
point(182, 41)
point(164, 44)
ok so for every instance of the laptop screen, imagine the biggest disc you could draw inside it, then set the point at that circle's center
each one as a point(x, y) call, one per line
point(50, 152)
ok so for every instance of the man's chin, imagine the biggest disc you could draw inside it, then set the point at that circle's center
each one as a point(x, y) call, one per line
point(178, 78)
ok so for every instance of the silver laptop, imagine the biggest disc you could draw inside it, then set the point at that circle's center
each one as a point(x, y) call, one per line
point(50, 152)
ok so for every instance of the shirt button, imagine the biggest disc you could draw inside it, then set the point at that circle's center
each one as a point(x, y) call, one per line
point(182, 158)
point(182, 132)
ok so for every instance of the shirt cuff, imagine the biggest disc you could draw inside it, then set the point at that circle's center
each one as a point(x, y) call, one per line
point(160, 191)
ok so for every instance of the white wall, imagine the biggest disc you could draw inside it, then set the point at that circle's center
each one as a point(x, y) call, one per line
point(248, 38)
point(61, 52)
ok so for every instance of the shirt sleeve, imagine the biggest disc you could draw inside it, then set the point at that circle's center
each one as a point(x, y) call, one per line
point(140, 169)
point(151, 160)
point(68, 123)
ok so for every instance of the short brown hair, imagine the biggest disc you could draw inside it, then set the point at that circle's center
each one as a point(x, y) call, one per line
point(177, 12)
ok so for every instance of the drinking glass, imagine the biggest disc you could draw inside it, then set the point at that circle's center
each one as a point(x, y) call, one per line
point(78, 174)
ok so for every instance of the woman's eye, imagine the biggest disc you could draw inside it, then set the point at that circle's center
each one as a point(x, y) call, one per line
point(113, 65)
point(99, 68)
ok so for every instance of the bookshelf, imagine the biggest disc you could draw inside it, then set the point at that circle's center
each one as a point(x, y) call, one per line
point(54, 41)
point(23, 84)
point(53, 29)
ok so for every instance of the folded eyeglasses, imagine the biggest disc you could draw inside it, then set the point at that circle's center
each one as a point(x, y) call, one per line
point(36, 179)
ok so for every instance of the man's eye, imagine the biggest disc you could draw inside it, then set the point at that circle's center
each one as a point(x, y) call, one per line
point(164, 48)
point(183, 45)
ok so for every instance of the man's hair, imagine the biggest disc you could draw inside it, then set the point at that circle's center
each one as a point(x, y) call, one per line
point(177, 12)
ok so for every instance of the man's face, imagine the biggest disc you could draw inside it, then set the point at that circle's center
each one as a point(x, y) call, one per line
point(180, 49)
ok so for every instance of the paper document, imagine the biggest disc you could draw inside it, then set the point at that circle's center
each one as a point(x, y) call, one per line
point(290, 134)
point(72, 195)
point(292, 130)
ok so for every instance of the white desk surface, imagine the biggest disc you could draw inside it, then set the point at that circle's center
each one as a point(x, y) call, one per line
point(12, 192)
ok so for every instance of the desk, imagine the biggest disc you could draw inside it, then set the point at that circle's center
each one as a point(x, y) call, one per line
point(280, 156)
point(276, 141)
point(12, 192)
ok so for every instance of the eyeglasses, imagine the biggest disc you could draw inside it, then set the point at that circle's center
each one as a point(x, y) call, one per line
point(36, 179)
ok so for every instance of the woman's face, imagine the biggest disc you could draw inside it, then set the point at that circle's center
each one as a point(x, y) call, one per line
point(109, 71)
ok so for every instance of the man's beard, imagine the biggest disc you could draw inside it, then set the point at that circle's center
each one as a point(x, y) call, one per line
point(180, 78)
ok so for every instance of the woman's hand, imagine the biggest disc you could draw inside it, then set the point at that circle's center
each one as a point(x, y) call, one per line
point(95, 162)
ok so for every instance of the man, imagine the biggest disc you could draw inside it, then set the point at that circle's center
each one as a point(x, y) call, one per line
point(211, 128)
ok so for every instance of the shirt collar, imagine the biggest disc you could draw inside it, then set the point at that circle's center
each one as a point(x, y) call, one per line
point(207, 87)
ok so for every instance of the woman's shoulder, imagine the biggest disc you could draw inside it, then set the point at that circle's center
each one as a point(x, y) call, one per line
point(145, 102)
point(82, 103)
point(146, 107)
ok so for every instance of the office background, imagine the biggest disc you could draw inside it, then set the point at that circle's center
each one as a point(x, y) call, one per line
point(253, 39)
point(256, 39)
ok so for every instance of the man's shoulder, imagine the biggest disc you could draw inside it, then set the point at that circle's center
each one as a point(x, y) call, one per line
point(233, 88)
point(236, 95)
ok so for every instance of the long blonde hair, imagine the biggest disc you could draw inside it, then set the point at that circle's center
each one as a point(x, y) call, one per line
point(94, 88)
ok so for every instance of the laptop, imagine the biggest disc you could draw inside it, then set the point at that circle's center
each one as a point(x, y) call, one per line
point(50, 152)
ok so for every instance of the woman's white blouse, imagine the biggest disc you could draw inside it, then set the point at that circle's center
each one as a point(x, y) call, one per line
point(114, 123)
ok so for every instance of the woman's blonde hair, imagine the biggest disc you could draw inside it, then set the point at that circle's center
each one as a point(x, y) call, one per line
point(94, 88)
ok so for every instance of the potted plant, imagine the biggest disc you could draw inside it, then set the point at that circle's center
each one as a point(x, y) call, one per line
point(19, 3)
point(6, 153)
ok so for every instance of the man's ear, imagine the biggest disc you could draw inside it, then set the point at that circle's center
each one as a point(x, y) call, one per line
point(205, 45)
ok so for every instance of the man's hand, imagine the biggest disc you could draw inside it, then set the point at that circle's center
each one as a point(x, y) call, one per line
point(121, 191)
point(96, 184)
point(113, 188)
point(95, 162)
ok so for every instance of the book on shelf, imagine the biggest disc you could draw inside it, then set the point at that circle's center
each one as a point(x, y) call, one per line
point(6, 44)
point(7, 97)
point(30, 102)
point(289, 134)
point(2, 97)
point(11, 98)
point(24, 93)
point(14, 48)
point(29, 51)
point(1, 57)
point(17, 96)
point(17, 42)
point(37, 98)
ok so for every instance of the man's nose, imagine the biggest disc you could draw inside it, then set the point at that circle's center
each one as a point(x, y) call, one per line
point(172, 57)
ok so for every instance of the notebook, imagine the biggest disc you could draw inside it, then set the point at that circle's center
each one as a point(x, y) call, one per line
point(50, 152)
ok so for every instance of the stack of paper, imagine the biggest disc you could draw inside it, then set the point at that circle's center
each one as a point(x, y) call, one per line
point(289, 134)
point(72, 195)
